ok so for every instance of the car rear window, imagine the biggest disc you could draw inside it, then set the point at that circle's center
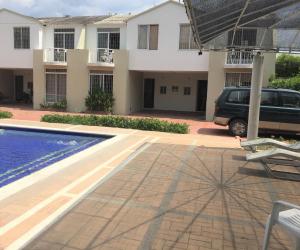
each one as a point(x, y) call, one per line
point(290, 100)
point(239, 97)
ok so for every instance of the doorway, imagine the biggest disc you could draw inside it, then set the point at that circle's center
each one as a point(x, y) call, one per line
point(201, 95)
point(149, 88)
point(19, 87)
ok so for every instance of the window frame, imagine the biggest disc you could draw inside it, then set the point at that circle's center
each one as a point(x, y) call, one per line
point(148, 37)
point(108, 37)
point(239, 84)
point(163, 88)
point(55, 73)
point(107, 51)
point(64, 31)
point(175, 89)
point(190, 38)
point(21, 37)
point(189, 92)
point(102, 75)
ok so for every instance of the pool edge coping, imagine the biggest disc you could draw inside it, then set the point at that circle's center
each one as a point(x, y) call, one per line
point(26, 181)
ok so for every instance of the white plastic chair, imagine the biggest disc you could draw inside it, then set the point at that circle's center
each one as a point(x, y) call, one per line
point(266, 141)
point(286, 215)
point(265, 154)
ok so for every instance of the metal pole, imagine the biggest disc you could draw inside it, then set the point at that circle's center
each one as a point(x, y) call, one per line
point(255, 96)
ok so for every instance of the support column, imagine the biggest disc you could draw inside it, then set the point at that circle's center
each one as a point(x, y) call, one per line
point(121, 83)
point(255, 96)
point(39, 81)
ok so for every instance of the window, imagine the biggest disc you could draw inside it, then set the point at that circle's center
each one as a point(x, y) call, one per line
point(187, 91)
point(186, 38)
point(243, 37)
point(269, 98)
point(148, 36)
point(143, 34)
point(22, 38)
point(239, 97)
point(101, 80)
point(56, 85)
point(238, 79)
point(108, 40)
point(175, 89)
point(64, 38)
point(153, 39)
point(290, 100)
point(163, 90)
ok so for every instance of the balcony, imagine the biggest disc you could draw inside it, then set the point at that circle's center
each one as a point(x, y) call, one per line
point(55, 56)
point(239, 59)
point(101, 57)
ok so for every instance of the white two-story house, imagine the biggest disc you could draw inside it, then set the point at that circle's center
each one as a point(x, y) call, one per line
point(20, 35)
point(149, 61)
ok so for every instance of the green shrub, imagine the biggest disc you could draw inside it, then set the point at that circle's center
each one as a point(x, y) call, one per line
point(148, 124)
point(97, 100)
point(62, 105)
point(287, 66)
point(286, 83)
point(5, 114)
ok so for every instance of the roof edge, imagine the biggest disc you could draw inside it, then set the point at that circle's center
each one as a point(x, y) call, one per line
point(19, 14)
point(155, 7)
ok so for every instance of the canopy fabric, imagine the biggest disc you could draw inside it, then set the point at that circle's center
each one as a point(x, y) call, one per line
point(219, 24)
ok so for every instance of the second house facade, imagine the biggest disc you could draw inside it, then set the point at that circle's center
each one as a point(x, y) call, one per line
point(149, 61)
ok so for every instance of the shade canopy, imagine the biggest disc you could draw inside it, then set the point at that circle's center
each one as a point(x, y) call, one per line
point(246, 24)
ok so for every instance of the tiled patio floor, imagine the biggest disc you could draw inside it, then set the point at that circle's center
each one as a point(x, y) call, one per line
point(176, 197)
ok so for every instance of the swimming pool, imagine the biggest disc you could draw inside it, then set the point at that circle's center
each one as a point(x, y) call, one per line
point(25, 151)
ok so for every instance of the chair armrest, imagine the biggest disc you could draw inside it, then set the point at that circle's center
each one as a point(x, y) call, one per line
point(280, 206)
point(284, 204)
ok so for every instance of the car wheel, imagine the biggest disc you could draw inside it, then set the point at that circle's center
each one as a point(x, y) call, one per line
point(238, 127)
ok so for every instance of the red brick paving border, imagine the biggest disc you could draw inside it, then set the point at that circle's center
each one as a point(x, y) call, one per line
point(197, 126)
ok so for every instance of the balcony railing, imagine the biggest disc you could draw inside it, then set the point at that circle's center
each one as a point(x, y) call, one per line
point(57, 55)
point(239, 57)
point(101, 56)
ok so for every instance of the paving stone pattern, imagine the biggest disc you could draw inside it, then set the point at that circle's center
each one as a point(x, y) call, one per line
point(176, 197)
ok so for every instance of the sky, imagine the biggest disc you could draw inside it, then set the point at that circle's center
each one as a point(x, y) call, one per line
point(46, 8)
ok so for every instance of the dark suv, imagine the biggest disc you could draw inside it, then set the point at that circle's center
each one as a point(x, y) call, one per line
point(280, 110)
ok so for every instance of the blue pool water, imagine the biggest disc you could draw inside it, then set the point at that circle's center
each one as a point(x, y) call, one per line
point(24, 151)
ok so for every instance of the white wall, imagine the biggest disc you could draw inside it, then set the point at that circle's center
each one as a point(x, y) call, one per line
point(91, 35)
point(168, 57)
point(17, 58)
point(175, 101)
